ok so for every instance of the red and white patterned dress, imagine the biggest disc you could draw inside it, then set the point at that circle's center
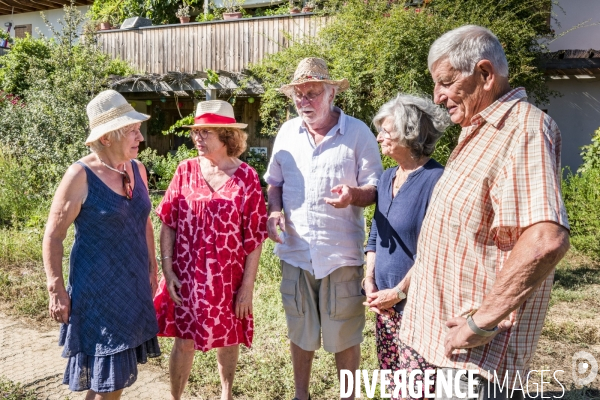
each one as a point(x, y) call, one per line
point(215, 231)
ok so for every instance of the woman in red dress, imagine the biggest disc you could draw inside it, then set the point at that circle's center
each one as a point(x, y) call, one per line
point(213, 225)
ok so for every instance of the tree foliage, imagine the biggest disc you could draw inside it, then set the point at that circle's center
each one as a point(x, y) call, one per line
point(382, 49)
point(47, 127)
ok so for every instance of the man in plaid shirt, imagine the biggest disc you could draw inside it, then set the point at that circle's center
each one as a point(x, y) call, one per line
point(496, 226)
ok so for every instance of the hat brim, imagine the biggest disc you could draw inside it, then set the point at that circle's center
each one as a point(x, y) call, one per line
point(132, 117)
point(236, 125)
point(341, 85)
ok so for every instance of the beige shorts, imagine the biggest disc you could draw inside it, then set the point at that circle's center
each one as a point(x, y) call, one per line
point(332, 305)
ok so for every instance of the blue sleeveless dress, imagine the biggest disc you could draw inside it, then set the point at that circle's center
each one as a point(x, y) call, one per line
point(112, 325)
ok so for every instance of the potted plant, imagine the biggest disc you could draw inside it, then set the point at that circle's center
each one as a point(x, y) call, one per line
point(105, 23)
point(232, 9)
point(5, 39)
point(293, 8)
point(183, 13)
point(309, 6)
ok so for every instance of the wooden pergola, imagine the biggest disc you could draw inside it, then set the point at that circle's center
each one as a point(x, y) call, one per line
point(7, 7)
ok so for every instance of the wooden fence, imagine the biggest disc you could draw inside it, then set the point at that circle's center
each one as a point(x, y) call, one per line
point(217, 45)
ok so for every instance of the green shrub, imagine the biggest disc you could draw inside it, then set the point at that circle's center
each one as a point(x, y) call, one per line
point(162, 168)
point(26, 54)
point(581, 194)
point(17, 198)
point(47, 129)
point(591, 153)
point(259, 162)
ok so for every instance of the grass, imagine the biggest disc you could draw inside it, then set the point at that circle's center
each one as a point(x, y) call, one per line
point(13, 391)
point(22, 277)
point(264, 371)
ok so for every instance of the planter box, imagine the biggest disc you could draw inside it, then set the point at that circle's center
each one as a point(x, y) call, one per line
point(235, 15)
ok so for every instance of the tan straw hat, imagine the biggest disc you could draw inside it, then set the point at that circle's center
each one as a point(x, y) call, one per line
point(215, 114)
point(109, 111)
point(313, 69)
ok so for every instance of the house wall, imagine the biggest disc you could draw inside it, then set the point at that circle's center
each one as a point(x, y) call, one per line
point(35, 19)
point(570, 13)
point(577, 114)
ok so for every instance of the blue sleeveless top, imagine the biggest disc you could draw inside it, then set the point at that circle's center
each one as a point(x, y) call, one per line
point(109, 281)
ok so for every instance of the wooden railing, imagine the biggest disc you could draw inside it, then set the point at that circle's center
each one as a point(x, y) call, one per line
point(217, 45)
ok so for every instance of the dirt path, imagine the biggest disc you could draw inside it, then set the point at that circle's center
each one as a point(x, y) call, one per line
point(32, 358)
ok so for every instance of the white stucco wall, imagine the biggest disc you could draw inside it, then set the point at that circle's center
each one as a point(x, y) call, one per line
point(35, 19)
point(574, 12)
point(577, 114)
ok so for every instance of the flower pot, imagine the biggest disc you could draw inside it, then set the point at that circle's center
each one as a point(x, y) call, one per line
point(184, 20)
point(233, 15)
point(104, 26)
point(294, 10)
point(307, 9)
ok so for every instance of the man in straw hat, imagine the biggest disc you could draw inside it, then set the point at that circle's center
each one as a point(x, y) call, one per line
point(324, 168)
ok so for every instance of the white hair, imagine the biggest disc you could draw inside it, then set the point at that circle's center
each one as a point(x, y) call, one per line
point(465, 47)
point(418, 122)
point(96, 146)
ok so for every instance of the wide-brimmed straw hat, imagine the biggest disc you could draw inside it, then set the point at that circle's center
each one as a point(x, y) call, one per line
point(313, 69)
point(215, 114)
point(109, 111)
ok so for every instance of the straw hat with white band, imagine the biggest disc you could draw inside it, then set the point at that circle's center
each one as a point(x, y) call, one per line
point(215, 114)
point(109, 111)
point(313, 69)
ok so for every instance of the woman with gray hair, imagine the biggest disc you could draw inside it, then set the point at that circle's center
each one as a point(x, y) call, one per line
point(408, 126)
point(107, 318)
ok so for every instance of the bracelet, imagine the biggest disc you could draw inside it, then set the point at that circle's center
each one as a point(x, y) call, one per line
point(362, 283)
point(477, 330)
point(164, 258)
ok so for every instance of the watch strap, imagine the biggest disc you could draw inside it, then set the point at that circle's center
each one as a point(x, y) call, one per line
point(401, 295)
point(477, 330)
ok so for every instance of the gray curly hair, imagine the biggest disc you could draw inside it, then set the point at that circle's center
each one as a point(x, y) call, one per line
point(418, 122)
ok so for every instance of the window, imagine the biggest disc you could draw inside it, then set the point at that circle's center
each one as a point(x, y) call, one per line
point(21, 30)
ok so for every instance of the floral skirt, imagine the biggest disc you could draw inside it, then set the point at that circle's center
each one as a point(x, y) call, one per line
point(395, 355)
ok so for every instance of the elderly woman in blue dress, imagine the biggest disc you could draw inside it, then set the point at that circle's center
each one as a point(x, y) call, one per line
point(106, 310)
point(409, 127)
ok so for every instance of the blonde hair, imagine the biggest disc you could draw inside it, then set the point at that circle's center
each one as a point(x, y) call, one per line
point(96, 146)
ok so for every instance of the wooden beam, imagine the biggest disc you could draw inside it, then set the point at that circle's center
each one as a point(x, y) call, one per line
point(5, 8)
point(46, 4)
point(18, 7)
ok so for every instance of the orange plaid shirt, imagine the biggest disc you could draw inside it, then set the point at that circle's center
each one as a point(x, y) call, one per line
point(503, 177)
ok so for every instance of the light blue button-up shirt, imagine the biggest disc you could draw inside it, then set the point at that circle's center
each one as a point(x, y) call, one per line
point(318, 237)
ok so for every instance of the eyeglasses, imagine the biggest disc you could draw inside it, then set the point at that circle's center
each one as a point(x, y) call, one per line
point(203, 133)
point(385, 134)
point(127, 185)
point(310, 96)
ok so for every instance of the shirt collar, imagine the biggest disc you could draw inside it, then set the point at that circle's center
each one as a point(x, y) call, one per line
point(340, 126)
point(496, 111)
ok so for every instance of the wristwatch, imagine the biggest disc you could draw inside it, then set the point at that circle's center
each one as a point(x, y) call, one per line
point(401, 295)
point(477, 330)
